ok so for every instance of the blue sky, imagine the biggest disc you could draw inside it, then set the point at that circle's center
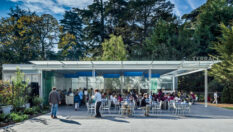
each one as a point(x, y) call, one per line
point(57, 7)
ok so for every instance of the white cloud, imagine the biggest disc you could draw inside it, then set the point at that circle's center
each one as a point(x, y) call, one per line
point(59, 6)
point(74, 3)
point(32, 7)
point(52, 6)
point(177, 11)
point(191, 4)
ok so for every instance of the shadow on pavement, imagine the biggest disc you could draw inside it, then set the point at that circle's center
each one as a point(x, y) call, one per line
point(197, 117)
point(114, 119)
point(70, 121)
point(43, 121)
point(9, 129)
point(156, 117)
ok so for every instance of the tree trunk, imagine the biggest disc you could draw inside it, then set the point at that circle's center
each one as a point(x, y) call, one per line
point(102, 20)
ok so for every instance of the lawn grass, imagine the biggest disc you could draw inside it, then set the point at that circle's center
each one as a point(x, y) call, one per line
point(226, 106)
point(230, 108)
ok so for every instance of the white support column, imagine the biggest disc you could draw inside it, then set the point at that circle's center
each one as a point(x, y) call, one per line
point(173, 83)
point(122, 84)
point(93, 75)
point(104, 85)
point(41, 84)
point(206, 88)
point(149, 76)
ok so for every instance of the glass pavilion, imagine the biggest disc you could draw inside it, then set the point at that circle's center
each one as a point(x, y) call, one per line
point(117, 75)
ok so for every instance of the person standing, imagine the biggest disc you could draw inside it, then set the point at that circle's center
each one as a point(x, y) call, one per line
point(54, 100)
point(76, 101)
point(145, 104)
point(81, 96)
point(98, 100)
point(215, 98)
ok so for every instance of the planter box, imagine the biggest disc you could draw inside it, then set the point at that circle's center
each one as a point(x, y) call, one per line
point(27, 105)
point(7, 109)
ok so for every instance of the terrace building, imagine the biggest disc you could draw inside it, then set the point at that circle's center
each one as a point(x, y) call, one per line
point(146, 76)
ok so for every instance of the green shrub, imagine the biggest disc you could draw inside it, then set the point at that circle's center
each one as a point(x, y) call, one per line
point(17, 117)
point(227, 96)
point(29, 111)
point(44, 111)
point(37, 109)
point(37, 101)
point(201, 98)
point(46, 107)
point(2, 117)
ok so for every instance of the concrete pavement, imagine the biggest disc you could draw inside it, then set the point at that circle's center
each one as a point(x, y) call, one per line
point(211, 119)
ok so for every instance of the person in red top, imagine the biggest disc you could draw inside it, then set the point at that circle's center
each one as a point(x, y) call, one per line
point(171, 97)
point(192, 96)
point(120, 98)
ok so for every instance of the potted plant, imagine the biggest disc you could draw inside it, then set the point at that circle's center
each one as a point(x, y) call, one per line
point(5, 97)
point(19, 94)
point(6, 109)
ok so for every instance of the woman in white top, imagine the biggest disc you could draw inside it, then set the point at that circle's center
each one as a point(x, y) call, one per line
point(215, 98)
point(98, 100)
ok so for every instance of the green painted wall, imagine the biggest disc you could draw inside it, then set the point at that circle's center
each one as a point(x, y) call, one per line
point(48, 83)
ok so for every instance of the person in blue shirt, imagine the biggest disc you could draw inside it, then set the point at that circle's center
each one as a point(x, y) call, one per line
point(81, 96)
point(77, 101)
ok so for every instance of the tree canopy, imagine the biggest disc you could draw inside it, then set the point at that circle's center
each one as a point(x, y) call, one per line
point(123, 30)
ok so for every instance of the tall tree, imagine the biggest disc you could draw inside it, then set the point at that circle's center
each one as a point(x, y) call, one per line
point(94, 29)
point(162, 44)
point(131, 19)
point(71, 35)
point(223, 70)
point(150, 11)
point(47, 29)
point(18, 36)
point(207, 23)
point(114, 49)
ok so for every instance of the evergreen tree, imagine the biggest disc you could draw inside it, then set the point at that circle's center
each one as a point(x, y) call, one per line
point(223, 71)
point(114, 49)
point(207, 28)
point(94, 26)
point(71, 35)
point(162, 44)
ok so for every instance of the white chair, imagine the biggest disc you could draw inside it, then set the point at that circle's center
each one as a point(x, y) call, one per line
point(132, 108)
point(122, 110)
point(69, 100)
point(177, 108)
point(157, 107)
point(107, 107)
point(90, 108)
point(186, 108)
point(116, 106)
point(170, 105)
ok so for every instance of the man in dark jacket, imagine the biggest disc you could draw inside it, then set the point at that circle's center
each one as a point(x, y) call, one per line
point(54, 100)
point(145, 103)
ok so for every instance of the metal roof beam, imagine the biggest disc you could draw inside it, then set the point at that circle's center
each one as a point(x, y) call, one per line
point(199, 70)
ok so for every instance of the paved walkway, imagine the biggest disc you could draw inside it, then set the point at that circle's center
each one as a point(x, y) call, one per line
point(212, 119)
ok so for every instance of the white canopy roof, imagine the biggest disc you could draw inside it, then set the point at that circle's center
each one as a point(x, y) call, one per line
point(176, 68)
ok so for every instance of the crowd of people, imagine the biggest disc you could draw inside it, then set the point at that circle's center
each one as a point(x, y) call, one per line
point(179, 96)
point(82, 96)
